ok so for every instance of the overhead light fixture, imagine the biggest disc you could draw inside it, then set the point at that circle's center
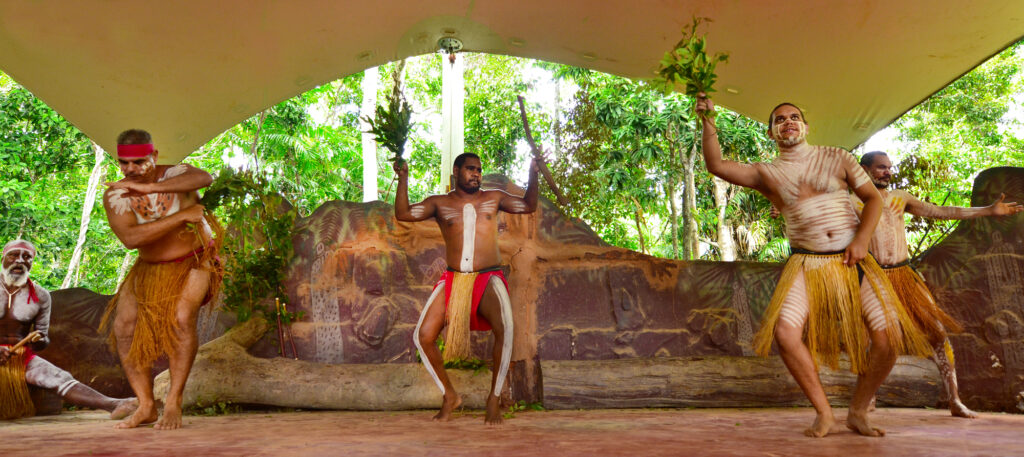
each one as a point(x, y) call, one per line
point(516, 41)
point(450, 45)
point(732, 90)
point(588, 57)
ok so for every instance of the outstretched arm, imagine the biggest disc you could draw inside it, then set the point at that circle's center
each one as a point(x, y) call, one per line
point(403, 211)
point(741, 174)
point(528, 202)
point(925, 209)
point(177, 179)
point(133, 234)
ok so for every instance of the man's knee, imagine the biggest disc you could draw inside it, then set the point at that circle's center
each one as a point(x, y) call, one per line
point(788, 337)
point(41, 373)
point(880, 342)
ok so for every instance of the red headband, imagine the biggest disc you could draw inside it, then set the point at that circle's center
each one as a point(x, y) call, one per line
point(134, 151)
point(19, 244)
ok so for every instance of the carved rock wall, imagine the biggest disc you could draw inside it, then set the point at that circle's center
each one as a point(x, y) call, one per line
point(362, 278)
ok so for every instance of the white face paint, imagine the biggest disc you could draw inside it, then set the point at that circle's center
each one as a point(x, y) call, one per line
point(468, 237)
point(800, 136)
point(17, 279)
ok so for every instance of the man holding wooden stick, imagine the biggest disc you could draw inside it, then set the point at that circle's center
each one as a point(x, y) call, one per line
point(24, 330)
point(473, 293)
point(832, 295)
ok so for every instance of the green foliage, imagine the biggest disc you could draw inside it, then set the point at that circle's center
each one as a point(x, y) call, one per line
point(257, 252)
point(689, 64)
point(212, 408)
point(390, 126)
point(522, 405)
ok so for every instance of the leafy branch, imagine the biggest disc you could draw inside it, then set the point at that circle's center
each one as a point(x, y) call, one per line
point(391, 125)
point(688, 63)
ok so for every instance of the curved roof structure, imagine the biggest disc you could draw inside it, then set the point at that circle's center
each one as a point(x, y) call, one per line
point(190, 69)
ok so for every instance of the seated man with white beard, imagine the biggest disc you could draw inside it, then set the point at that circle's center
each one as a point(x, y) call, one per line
point(27, 306)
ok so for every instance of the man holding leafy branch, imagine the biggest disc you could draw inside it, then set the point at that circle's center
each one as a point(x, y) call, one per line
point(156, 210)
point(472, 293)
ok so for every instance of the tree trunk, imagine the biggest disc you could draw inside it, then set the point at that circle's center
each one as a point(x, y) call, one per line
point(638, 218)
point(256, 140)
point(691, 247)
point(98, 172)
point(726, 244)
point(673, 207)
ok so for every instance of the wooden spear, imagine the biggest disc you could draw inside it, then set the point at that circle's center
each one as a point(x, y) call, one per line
point(538, 153)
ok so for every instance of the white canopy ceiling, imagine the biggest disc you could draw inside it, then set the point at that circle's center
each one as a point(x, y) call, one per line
point(187, 70)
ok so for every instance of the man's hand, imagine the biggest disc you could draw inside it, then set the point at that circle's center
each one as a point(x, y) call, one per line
point(131, 186)
point(193, 214)
point(401, 168)
point(1001, 208)
point(704, 106)
point(774, 212)
point(5, 355)
point(855, 252)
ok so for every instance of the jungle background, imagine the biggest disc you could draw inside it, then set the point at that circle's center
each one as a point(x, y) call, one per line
point(623, 152)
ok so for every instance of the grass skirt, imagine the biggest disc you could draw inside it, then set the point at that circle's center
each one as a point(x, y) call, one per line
point(835, 317)
point(15, 401)
point(458, 316)
point(157, 288)
point(914, 294)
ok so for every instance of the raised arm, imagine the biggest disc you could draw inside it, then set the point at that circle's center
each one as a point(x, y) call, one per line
point(861, 184)
point(528, 202)
point(133, 234)
point(741, 174)
point(177, 179)
point(403, 211)
point(925, 209)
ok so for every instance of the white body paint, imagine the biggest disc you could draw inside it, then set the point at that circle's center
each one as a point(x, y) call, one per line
point(811, 182)
point(121, 204)
point(418, 211)
point(468, 237)
point(889, 241)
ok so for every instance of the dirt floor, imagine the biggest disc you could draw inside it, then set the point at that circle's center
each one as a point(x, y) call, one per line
point(717, 432)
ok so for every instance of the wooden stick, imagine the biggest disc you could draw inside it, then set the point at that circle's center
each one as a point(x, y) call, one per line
point(280, 331)
point(30, 338)
point(288, 332)
point(537, 153)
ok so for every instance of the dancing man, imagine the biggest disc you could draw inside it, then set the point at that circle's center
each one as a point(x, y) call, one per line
point(831, 295)
point(156, 210)
point(473, 293)
point(889, 246)
point(26, 313)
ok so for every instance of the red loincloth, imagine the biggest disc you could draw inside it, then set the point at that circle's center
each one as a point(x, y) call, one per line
point(476, 322)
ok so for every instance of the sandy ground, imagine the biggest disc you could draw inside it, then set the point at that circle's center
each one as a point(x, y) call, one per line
point(718, 432)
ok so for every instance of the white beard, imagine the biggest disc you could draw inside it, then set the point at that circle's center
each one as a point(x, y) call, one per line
point(12, 280)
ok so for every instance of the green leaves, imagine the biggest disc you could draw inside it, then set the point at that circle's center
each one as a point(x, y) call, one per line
point(689, 65)
point(390, 126)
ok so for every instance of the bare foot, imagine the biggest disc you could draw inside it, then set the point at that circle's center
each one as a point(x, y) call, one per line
point(493, 416)
point(858, 422)
point(141, 416)
point(124, 408)
point(452, 400)
point(959, 410)
point(171, 420)
point(823, 425)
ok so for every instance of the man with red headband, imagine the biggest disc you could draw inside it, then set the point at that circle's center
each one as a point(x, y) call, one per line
point(26, 312)
point(156, 210)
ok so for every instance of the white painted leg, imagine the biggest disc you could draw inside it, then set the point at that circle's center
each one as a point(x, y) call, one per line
point(416, 337)
point(506, 321)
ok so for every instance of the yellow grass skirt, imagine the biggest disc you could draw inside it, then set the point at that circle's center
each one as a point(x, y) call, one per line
point(15, 401)
point(460, 311)
point(835, 319)
point(915, 296)
point(157, 288)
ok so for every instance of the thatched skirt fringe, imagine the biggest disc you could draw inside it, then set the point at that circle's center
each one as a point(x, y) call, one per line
point(835, 319)
point(15, 401)
point(459, 313)
point(915, 296)
point(157, 287)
